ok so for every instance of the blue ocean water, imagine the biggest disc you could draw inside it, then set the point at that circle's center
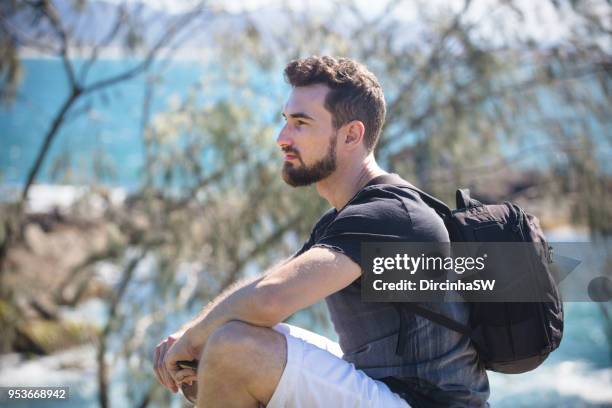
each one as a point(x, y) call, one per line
point(112, 124)
point(106, 123)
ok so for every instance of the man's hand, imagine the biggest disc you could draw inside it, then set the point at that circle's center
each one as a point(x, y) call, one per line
point(174, 348)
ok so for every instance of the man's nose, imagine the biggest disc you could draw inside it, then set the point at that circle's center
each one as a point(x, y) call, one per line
point(284, 138)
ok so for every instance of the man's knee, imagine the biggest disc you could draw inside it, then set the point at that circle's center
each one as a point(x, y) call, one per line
point(246, 356)
point(233, 339)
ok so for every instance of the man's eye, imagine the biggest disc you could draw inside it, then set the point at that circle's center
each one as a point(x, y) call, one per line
point(300, 122)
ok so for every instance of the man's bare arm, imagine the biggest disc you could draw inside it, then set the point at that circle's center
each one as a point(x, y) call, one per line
point(264, 301)
point(282, 291)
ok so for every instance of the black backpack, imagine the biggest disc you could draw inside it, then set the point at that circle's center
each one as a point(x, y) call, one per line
point(510, 337)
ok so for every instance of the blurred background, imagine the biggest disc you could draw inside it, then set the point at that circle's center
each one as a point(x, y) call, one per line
point(139, 174)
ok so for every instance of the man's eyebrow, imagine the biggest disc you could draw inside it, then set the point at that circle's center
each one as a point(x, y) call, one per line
point(298, 115)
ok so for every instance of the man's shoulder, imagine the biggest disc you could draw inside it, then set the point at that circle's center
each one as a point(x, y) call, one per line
point(326, 218)
point(383, 201)
point(398, 208)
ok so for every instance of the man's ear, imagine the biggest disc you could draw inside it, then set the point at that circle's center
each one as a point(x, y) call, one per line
point(354, 132)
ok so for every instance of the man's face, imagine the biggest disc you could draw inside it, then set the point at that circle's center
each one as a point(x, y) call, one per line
point(308, 138)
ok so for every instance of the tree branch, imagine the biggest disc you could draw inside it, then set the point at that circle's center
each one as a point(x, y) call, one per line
point(19, 35)
point(51, 13)
point(260, 248)
point(426, 68)
point(180, 24)
point(78, 91)
point(128, 273)
point(49, 136)
point(119, 21)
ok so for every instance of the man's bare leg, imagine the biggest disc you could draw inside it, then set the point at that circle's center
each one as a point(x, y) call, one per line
point(240, 366)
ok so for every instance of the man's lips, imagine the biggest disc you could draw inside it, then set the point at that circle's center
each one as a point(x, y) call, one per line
point(289, 156)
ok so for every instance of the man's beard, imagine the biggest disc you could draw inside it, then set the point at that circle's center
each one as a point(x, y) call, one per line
point(306, 175)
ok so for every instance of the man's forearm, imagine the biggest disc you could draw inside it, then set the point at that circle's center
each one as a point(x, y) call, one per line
point(241, 301)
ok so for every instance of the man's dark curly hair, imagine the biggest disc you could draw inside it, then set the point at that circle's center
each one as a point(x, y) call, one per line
point(355, 92)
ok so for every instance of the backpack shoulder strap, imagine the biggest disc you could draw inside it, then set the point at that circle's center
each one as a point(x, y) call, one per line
point(462, 196)
point(438, 318)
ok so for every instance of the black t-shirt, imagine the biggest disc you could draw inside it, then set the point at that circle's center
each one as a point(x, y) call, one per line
point(378, 212)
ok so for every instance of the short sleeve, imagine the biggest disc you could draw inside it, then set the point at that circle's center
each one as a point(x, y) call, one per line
point(377, 219)
point(321, 224)
point(307, 245)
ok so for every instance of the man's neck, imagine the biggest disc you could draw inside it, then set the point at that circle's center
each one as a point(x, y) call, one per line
point(341, 186)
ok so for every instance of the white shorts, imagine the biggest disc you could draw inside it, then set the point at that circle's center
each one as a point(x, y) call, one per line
point(316, 376)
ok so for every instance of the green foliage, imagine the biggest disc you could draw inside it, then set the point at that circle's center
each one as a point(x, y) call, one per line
point(9, 319)
point(10, 70)
point(53, 336)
